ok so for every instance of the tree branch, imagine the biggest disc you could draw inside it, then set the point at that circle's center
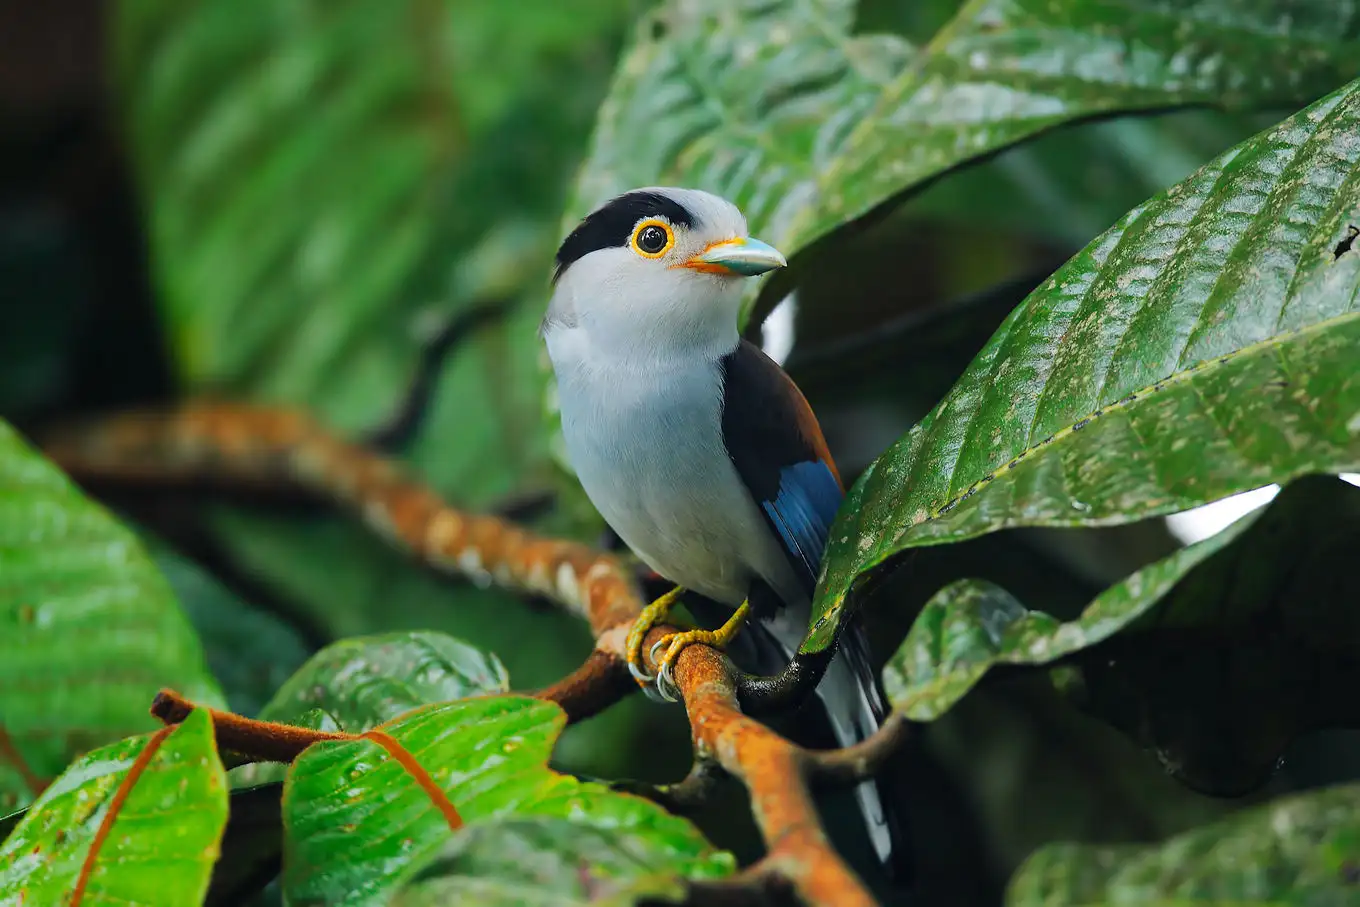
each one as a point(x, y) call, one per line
point(862, 761)
point(268, 447)
point(684, 796)
point(601, 681)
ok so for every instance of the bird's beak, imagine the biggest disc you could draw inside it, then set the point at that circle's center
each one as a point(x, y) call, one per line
point(742, 255)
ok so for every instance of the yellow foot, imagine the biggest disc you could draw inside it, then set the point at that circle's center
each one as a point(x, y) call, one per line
point(718, 638)
point(651, 615)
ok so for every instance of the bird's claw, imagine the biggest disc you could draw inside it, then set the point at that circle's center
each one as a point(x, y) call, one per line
point(666, 687)
point(651, 615)
point(676, 643)
point(640, 675)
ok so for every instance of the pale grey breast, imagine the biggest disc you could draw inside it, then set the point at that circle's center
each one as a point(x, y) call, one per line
point(647, 447)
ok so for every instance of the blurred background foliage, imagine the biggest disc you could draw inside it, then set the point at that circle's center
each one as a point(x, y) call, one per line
point(296, 201)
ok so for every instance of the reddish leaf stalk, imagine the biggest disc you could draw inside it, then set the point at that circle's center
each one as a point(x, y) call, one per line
point(115, 805)
point(265, 741)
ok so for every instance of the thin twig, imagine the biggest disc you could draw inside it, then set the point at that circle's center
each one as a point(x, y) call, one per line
point(683, 797)
point(863, 760)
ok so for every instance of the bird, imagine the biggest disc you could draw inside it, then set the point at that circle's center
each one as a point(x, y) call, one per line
point(697, 449)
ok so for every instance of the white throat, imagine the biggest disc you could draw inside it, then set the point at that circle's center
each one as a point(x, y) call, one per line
point(604, 317)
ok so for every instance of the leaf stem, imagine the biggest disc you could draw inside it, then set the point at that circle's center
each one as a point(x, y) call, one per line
point(262, 741)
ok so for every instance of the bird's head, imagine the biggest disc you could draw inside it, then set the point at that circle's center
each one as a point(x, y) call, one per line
point(658, 269)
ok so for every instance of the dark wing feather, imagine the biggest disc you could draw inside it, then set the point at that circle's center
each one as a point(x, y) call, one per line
point(778, 449)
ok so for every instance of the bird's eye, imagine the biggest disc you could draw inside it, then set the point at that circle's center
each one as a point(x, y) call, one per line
point(652, 239)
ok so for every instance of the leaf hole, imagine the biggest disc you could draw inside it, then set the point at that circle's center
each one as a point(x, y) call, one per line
point(1346, 244)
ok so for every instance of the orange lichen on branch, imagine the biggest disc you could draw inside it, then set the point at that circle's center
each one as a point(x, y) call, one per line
point(774, 770)
point(115, 806)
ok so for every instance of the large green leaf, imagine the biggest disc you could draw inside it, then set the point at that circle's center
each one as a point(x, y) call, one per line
point(780, 106)
point(362, 682)
point(1256, 646)
point(1216, 657)
point(544, 862)
point(161, 843)
point(1203, 346)
point(89, 629)
point(1298, 850)
point(324, 184)
point(1030, 770)
point(357, 822)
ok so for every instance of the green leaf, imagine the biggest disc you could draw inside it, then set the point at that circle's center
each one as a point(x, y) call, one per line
point(970, 626)
point(356, 684)
point(1029, 770)
point(1204, 345)
point(781, 107)
point(89, 629)
point(1296, 850)
point(357, 822)
point(544, 862)
point(291, 273)
point(362, 682)
point(163, 839)
point(1216, 657)
point(1253, 648)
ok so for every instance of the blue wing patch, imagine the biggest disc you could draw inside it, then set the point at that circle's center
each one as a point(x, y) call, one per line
point(802, 513)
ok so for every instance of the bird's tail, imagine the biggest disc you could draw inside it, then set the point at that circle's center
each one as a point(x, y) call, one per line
point(854, 706)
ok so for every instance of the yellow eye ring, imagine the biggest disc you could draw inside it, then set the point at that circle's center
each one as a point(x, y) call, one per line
point(646, 245)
